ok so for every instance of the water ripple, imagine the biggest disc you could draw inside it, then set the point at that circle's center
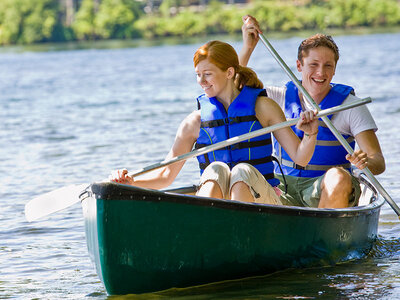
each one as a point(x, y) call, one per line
point(69, 117)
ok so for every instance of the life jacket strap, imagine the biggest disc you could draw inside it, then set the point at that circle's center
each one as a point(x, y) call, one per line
point(199, 146)
point(226, 121)
point(309, 167)
point(241, 145)
point(334, 142)
point(257, 161)
point(269, 176)
point(252, 144)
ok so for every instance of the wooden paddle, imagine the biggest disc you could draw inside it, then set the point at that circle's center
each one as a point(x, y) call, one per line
point(64, 197)
point(328, 123)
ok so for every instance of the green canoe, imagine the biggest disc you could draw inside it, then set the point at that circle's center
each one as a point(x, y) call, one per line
point(144, 240)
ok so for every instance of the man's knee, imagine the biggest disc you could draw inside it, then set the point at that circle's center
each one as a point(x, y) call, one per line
point(337, 179)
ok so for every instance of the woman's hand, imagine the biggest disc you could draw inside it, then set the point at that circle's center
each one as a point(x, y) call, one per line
point(308, 123)
point(250, 31)
point(359, 159)
point(121, 176)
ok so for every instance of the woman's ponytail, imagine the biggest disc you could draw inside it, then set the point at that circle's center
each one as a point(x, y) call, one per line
point(246, 76)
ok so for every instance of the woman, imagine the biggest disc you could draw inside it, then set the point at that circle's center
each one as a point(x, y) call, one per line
point(234, 103)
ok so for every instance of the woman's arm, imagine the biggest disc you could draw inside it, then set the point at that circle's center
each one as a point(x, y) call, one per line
point(185, 138)
point(269, 113)
point(250, 31)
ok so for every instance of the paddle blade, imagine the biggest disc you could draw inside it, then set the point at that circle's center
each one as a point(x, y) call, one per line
point(53, 201)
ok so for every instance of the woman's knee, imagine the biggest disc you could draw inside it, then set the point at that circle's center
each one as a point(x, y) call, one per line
point(214, 181)
point(243, 170)
point(217, 167)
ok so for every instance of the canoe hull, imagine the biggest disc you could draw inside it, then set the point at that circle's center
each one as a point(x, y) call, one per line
point(143, 240)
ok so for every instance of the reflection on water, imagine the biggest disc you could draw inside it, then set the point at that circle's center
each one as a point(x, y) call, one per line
point(354, 280)
point(71, 116)
point(385, 248)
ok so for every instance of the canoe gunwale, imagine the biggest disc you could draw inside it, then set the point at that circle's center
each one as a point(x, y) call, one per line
point(135, 254)
point(115, 191)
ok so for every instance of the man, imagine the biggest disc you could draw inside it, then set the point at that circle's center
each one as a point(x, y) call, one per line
point(327, 181)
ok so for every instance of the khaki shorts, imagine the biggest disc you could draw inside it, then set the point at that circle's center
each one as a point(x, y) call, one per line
point(306, 192)
point(261, 190)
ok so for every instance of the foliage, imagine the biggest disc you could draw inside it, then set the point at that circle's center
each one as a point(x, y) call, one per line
point(29, 21)
point(111, 19)
point(115, 19)
point(217, 18)
point(351, 13)
point(382, 13)
point(277, 15)
point(83, 25)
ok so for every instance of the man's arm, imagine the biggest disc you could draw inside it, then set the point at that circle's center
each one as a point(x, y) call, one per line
point(369, 145)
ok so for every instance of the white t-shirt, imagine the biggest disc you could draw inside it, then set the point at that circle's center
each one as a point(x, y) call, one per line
point(350, 121)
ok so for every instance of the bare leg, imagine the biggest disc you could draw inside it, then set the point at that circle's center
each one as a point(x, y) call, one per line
point(336, 188)
point(210, 189)
point(214, 181)
point(248, 185)
point(241, 192)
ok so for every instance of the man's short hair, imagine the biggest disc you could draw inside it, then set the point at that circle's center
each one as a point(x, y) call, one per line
point(317, 40)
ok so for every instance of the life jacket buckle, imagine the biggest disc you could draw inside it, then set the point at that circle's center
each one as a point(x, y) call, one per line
point(231, 120)
point(298, 167)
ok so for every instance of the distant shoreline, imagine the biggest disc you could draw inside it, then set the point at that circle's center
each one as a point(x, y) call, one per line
point(163, 41)
point(43, 21)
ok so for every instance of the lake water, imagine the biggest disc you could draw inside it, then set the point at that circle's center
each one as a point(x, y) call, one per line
point(72, 116)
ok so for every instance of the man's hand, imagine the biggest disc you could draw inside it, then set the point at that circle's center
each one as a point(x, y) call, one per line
point(359, 159)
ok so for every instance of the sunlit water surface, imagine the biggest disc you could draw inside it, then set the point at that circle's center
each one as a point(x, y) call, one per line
point(72, 116)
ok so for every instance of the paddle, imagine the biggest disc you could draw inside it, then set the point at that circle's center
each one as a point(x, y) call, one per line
point(246, 136)
point(328, 123)
point(53, 201)
point(64, 197)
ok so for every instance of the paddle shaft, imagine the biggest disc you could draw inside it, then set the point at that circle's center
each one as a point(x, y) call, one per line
point(244, 137)
point(64, 197)
point(328, 123)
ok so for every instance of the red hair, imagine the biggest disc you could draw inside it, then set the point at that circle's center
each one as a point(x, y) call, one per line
point(224, 56)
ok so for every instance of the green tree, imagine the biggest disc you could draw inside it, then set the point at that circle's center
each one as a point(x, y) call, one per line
point(165, 7)
point(278, 16)
point(185, 24)
point(348, 13)
point(212, 17)
point(315, 16)
point(83, 26)
point(381, 13)
point(29, 21)
point(40, 20)
point(23, 21)
point(10, 21)
point(115, 19)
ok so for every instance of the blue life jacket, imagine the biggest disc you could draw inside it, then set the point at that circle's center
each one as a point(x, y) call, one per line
point(218, 125)
point(328, 150)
